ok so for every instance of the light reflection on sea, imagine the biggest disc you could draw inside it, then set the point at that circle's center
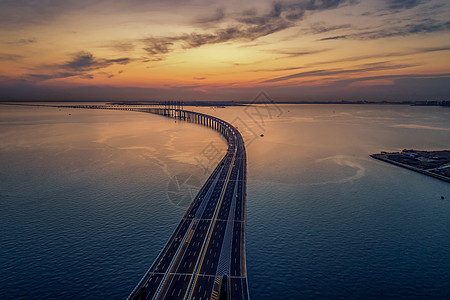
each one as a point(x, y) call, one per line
point(84, 197)
point(85, 208)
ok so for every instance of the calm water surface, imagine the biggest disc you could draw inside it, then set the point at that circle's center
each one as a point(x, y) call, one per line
point(85, 206)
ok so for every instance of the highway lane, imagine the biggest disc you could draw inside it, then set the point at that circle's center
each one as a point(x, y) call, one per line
point(207, 250)
point(224, 255)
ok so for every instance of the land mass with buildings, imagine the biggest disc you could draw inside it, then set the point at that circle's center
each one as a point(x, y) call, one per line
point(432, 163)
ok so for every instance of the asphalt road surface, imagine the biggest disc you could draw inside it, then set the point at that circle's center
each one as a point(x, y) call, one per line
point(205, 256)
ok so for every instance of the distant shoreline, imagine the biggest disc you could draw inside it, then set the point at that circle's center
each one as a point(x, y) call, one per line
point(235, 103)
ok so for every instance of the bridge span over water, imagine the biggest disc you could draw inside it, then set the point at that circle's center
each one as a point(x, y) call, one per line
point(205, 256)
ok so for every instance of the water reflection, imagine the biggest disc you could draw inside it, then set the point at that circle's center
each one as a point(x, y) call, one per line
point(84, 196)
point(85, 200)
point(326, 221)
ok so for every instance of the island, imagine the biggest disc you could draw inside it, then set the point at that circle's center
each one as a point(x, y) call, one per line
point(432, 163)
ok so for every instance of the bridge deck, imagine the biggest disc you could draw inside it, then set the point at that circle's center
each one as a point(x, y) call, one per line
point(205, 257)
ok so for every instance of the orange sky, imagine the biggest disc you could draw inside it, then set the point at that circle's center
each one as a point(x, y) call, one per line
point(225, 50)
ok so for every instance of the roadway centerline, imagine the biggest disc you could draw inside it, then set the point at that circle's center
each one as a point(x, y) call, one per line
point(205, 243)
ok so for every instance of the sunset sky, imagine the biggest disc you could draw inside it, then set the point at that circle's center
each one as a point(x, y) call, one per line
point(301, 50)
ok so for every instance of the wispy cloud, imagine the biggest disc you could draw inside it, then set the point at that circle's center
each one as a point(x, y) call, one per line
point(157, 47)
point(404, 4)
point(339, 71)
point(26, 41)
point(385, 55)
point(85, 61)
point(54, 75)
point(398, 77)
point(218, 16)
point(278, 69)
point(432, 49)
point(423, 26)
point(22, 42)
point(246, 26)
point(417, 126)
point(122, 46)
point(10, 57)
point(289, 53)
point(323, 27)
point(80, 64)
point(335, 37)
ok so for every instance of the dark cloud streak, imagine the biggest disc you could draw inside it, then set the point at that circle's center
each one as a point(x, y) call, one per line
point(85, 61)
point(216, 18)
point(10, 57)
point(296, 53)
point(322, 27)
point(81, 64)
point(122, 46)
point(359, 58)
point(404, 4)
point(332, 72)
point(425, 26)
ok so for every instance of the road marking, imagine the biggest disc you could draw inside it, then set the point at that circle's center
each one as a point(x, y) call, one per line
point(191, 286)
point(163, 282)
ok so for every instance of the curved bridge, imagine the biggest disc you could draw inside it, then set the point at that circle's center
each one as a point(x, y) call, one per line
point(205, 256)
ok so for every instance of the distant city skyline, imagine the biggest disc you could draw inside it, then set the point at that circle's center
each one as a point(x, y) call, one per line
point(300, 50)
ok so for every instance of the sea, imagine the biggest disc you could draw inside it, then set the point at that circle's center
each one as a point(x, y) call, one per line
point(89, 198)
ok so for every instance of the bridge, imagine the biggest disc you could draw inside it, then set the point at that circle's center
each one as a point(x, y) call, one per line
point(205, 256)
